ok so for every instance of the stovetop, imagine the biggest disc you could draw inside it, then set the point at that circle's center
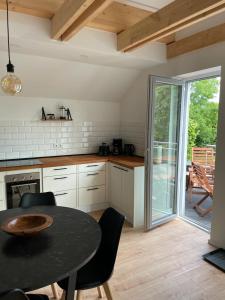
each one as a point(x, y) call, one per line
point(20, 162)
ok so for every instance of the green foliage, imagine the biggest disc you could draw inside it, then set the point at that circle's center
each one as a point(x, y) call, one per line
point(192, 134)
point(203, 114)
point(164, 111)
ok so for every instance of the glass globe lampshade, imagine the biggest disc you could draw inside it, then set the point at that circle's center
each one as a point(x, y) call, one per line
point(11, 84)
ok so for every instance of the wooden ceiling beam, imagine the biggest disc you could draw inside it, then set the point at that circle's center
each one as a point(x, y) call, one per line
point(87, 16)
point(197, 41)
point(173, 17)
point(67, 14)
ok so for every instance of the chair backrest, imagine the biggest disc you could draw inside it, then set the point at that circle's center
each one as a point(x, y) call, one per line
point(14, 295)
point(35, 199)
point(111, 223)
point(203, 156)
point(202, 178)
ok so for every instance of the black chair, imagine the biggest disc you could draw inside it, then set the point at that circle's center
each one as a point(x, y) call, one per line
point(98, 271)
point(35, 199)
point(20, 295)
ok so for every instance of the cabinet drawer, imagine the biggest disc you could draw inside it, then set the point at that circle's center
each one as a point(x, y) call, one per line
point(2, 191)
point(59, 170)
point(93, 167)
point(66, 198)
point(59, 183)
point(2, 175)
point(1, 205)
point(91, 179)
point(89, 196)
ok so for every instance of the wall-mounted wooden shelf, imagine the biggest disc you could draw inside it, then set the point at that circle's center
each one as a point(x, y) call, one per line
point(56, 120)
point(66, 114)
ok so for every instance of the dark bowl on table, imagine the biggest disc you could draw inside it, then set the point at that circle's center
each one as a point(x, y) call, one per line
point(27, 225)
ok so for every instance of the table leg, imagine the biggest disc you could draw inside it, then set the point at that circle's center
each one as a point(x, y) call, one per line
point(71, 287)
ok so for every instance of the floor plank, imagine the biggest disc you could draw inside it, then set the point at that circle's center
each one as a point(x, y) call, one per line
point(163, 264)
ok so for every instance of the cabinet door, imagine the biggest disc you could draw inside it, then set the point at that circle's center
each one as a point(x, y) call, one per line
point(59, 183)
point(66, 198)
point(91, 196)
point(92, 167)
point(115, 186)
point(57, 171)
point(127, 193)
point(91, 179)
point(2, 196)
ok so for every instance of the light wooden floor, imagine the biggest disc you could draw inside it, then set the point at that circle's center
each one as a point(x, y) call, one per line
point(164, 264)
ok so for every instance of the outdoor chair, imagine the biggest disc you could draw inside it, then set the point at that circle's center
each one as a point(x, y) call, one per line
point(200, 180)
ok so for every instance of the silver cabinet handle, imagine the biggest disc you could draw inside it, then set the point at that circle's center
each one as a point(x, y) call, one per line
point(56, 195)
point(120, 168)
point(93, 174)
point(60, 178)
point(59, 169)
point(92, 189)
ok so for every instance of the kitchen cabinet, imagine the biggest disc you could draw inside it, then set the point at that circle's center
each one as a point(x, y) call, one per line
point(92, 187)
point(2, 193)
point(62, 181)
point(91, 196)
point(66, 198)
point(126, 190)
point(57, 171)
point(92, 167)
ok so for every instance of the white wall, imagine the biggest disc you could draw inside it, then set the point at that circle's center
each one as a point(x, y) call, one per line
point(22, 134)
point(206, 58)
point(133, 115)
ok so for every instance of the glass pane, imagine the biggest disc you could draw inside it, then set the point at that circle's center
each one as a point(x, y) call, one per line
point(166, 119)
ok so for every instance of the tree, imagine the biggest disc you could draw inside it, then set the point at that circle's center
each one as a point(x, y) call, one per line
point(203, 113)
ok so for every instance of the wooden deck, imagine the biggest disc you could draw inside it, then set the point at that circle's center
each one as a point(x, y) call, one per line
point(164, 264)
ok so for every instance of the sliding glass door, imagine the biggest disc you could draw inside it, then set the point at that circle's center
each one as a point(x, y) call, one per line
point(163, 156)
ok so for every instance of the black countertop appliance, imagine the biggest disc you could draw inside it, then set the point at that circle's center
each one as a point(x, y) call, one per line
point(129, 149)
point(117, 147)
point(104, 150)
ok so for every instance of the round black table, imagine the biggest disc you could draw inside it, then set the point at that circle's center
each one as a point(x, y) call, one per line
point(56, 253)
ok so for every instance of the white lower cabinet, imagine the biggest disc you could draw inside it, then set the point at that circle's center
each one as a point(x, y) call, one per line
point(62, 181)
point(92, 187)
point(66, 198)
point(91, 179)
point(59, 183)
point(127, 192)
point(91, 196)
point(2, 192)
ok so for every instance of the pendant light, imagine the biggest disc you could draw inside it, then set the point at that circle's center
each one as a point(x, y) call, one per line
point(10, 83)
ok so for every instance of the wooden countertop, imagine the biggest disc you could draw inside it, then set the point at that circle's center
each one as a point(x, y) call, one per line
point(125, 161)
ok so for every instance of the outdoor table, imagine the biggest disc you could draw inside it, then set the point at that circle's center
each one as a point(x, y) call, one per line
point(30, 263)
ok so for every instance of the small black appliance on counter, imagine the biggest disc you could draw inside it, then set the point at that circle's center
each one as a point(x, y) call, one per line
point(117, 147)
point(104, 150)
point(129, 149)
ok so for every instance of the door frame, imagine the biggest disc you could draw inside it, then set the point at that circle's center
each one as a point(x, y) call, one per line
point(149, 154)
point(184, 141)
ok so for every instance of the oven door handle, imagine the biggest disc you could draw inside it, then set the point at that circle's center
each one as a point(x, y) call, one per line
point(25, 184)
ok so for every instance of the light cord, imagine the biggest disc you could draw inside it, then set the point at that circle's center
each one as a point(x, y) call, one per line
point(7, 6)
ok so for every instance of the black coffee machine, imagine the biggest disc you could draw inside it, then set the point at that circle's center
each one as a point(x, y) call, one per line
point(117, 147)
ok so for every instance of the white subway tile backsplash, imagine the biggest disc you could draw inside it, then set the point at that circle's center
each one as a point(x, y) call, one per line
point(12, 155)
point(19, 139)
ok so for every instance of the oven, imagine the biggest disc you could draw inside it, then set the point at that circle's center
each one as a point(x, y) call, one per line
point(18, 184)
